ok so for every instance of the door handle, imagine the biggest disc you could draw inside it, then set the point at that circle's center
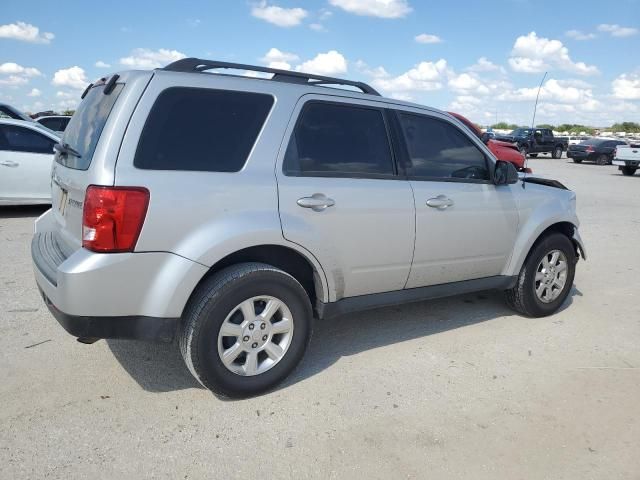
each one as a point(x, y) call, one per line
point(9, 163)
point(441, 202)
point(316, 202)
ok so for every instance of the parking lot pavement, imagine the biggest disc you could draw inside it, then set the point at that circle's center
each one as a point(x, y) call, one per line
point(454, 388)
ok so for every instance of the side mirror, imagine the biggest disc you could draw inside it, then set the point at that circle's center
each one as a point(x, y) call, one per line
point(505, 173)
point(485, 138)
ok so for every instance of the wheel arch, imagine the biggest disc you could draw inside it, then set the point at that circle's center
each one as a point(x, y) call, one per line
point(565, 227)
point(303, 268)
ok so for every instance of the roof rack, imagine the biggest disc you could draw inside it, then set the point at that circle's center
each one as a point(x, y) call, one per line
point(199, 65)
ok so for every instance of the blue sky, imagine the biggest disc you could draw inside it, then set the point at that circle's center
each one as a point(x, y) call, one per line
point(481, 59)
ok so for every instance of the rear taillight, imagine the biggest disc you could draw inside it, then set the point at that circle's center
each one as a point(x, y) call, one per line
point(589, 148)
point(113, 217)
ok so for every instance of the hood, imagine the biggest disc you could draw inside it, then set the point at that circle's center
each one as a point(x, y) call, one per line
point(547, 182)
point(503, 143)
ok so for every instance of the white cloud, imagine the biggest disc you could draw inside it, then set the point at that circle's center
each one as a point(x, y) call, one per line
point(374, 8)
point(467, 83)
point(318, 27)
point(101, 64)
point(329, 63)
point(34, 93)
point(423, 77)
point(73, 77)
point(25, 32)
point(533, 54)
point(427, 38)
point(282, 17)
point(14, 75)
point(569, 92)
point(616, 30)
point(578, 35)
point(144, 58)
point(275, 58)
point(376, 72)
point(484, 65)
point(11, 68)
point(627, 86)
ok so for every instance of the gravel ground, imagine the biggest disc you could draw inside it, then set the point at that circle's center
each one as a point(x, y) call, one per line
point(454, 388)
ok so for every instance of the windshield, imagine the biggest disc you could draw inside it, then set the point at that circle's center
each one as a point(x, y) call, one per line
point(521, 131)
point(84, 129)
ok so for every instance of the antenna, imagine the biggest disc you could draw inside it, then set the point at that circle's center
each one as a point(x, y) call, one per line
point(533, 122)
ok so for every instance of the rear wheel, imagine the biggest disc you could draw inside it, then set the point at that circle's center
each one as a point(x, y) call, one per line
point(557, 152)
point(628, 170)
point(546, 277)
point(533, 155)
point(603, 160)
point(245, 329)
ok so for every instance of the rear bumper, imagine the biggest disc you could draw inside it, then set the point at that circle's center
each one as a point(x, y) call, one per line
point(119, 295)
point(626, 163)
point(131, 327)
point(578, 155)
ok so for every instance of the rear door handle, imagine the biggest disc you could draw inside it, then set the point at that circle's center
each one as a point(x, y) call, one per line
point(9, 163)
point(316, 202)
point(441, 202)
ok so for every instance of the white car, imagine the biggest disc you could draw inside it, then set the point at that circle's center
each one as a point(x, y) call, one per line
point(26, 155)
point(627, 158)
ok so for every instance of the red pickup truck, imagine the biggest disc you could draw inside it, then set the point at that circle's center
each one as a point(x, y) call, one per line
point(502, 150)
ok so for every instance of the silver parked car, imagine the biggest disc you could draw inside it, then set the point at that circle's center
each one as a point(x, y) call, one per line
point(229, 212)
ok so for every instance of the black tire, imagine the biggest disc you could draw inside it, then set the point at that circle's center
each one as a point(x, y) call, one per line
point(210, 305)
point(628, 171)
point(603, 159)
point(522, 296)
point(577, 160)
point(533, 155)
point(557, 152)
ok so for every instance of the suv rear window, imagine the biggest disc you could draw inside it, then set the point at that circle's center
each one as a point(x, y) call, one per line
point(84, 129)
point(200, 129)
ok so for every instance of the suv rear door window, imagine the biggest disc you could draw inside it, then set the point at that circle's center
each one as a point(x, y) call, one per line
point(339, 140)
point(199, 129)
point(84, 129)
point(438, 150)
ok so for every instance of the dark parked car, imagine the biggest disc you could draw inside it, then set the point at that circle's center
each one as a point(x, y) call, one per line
point(57, 123)
point(598, 150)
point(537, 140)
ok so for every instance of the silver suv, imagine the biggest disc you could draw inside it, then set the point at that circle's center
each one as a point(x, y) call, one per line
point(230, 211)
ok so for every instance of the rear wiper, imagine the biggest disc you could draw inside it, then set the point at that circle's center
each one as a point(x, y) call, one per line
point(66, 149)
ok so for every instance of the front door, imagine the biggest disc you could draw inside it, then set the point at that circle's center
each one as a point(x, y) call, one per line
point(341, 199)
point(465, 225)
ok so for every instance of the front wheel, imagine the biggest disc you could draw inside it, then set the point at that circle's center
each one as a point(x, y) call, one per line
point(603, 160)
point(577, 160)
point(628, 170)
point(245, 329)
point(546, 277)
point(557, 152)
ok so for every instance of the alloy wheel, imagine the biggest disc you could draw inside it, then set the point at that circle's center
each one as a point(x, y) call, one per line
point(551, 276)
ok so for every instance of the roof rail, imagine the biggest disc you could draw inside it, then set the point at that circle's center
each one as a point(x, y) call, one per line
point(199, 65)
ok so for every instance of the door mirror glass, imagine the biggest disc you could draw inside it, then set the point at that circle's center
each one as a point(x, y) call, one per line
point(505, 173)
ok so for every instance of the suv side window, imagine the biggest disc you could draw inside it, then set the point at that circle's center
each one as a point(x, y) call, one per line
point(21, 139)
point(339, 140)
point(201, 129)
point(438, 150)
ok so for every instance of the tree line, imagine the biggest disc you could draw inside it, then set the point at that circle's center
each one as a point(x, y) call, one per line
point(628, 127)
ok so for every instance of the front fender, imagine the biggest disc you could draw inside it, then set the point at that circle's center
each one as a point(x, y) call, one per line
point(540, 207)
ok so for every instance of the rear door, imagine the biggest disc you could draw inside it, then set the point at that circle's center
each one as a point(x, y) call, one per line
point(465, 225)
point(25, 164)
point(340, 196)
